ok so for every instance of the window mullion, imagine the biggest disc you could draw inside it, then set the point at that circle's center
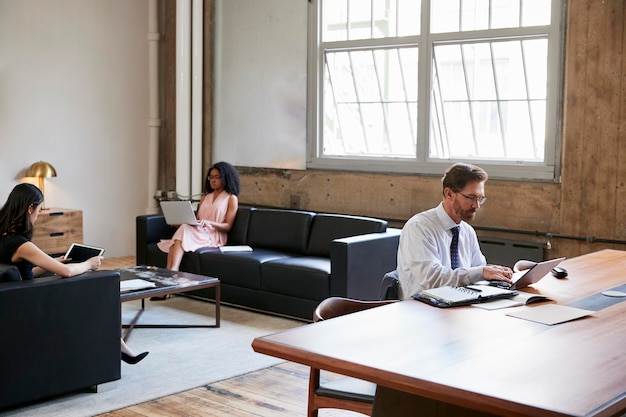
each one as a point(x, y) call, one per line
point(424, 83)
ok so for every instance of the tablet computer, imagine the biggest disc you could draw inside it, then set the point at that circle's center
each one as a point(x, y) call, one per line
point(530, 276)
point(80, 253)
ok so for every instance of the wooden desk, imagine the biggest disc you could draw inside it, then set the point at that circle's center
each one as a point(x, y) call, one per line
point(479, 359)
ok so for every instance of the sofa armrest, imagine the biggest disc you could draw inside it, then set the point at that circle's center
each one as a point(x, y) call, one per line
point(151, 228)
point(64, 335)
point(9, 273)
point(358, 263)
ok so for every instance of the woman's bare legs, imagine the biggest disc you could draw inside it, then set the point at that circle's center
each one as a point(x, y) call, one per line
point(127, 350)
point(175, 255)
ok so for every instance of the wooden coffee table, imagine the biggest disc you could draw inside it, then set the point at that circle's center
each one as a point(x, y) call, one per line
point(166, 282)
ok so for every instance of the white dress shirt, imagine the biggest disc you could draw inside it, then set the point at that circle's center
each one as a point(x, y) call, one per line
point(424, 253)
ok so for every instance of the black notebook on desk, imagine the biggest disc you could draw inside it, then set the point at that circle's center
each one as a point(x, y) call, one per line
point(448, 296)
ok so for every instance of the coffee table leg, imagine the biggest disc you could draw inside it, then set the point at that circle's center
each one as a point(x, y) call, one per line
point(132, 324)
point(217, 305)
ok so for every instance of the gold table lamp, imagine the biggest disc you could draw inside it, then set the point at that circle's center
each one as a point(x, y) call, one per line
point(41, 170)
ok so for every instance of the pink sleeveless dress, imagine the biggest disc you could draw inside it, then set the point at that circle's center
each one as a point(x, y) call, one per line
point(194, 237)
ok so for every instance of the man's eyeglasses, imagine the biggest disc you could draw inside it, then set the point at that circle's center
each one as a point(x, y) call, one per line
point(474, 199)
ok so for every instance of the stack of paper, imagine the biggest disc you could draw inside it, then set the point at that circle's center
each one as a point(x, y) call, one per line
point(235, 248)
point(135, 284)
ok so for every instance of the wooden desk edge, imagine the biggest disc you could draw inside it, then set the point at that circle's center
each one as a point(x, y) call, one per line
point(487, 404)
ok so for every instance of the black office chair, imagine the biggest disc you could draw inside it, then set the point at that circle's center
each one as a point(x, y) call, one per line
point(389, 286)
point(345, 393)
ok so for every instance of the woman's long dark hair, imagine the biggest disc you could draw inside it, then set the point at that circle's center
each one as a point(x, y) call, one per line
point(230, 178)
point(14, 215)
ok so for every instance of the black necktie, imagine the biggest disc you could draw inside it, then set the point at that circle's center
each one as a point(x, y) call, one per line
point(454, 248)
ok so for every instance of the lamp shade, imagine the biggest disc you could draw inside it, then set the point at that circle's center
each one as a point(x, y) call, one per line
point(41, 169)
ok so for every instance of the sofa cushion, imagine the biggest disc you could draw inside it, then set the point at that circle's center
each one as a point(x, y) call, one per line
point(328, 227)
point(238, 234)
point(242, 269)
point(281, 230)
point(304, 277)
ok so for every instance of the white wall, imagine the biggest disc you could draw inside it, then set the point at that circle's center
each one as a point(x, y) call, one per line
point(74, 92)
point(260, 83)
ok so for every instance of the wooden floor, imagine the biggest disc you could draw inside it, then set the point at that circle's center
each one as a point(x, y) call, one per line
point(277, 391)
point(121, 262)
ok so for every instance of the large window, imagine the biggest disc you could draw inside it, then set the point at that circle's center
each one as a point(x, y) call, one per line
point(410, 85)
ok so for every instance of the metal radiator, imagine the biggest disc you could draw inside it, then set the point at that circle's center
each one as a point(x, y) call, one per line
point(507, 252)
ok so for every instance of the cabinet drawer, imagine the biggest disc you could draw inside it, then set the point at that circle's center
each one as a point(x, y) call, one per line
point(56, 229)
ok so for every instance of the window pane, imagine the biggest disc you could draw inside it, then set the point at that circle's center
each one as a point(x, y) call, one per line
point(364, 72)
point(536, 13)
point(516, 120)
point(475, 15)
point(505, 14)
point(335, 20)
point(538, 120)
point(444, 16)
point(510, 71)
point(409, 15)
point(468, 15)
point(480, 106)
point(536, 65)
point(448, 64)
point(367, 19)
point(370, 100)
point(359, 19)
point(458, 131)
point(489, 141)
point(480, 79)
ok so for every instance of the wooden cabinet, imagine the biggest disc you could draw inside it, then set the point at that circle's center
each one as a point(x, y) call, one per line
point(57, 228)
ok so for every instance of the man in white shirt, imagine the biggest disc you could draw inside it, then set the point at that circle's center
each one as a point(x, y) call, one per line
point(428, 254)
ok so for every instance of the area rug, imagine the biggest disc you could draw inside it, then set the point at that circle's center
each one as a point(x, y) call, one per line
point(180, 358)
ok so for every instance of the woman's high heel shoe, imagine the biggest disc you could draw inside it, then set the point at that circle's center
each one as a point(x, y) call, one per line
point(133, 359)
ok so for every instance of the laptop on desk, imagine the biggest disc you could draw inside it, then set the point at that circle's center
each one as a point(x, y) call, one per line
point(527, 277)
point(179, 212)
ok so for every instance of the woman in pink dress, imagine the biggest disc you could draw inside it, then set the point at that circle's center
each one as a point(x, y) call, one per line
point(216, 211)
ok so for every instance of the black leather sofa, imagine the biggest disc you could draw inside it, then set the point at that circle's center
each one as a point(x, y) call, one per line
point(299, 258)
point(60, 335)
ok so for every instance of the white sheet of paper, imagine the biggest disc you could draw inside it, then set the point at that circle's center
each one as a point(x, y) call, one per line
point(235, 248)
point(135, 284)
point(550, 313)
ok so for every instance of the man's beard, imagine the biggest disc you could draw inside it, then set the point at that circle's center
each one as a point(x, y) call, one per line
point(465, 215)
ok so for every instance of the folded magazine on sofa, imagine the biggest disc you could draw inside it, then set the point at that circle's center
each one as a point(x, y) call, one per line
point(449, 296)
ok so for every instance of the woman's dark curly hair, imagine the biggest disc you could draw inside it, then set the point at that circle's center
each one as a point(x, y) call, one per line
point(230, 178)
point(14, 215)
